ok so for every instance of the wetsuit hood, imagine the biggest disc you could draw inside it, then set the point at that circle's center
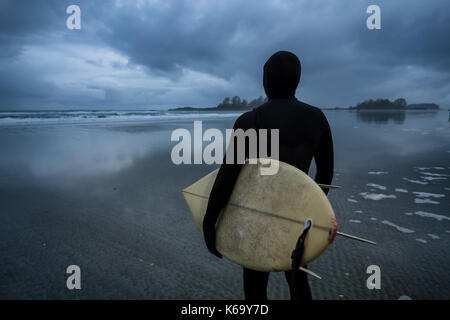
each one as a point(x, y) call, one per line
point(281, 75)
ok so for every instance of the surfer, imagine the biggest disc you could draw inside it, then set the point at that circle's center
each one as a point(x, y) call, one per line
point(304, 134)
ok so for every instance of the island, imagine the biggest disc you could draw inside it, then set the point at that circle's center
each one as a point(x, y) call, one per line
point(229, 104)
point(398, 104)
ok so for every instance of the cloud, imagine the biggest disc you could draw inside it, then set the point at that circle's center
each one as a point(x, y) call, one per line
point(166, 53)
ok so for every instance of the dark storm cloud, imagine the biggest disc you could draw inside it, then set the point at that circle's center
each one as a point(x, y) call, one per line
point(417, 35)
point(23, 22)
point(144, 53)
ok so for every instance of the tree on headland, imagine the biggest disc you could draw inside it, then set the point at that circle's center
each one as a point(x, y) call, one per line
point(237, 103)
point(225, 102)
point(257, 102)
point(400, 102)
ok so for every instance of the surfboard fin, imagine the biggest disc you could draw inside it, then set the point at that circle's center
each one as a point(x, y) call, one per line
point(328, 186)
point(354, 237)
point(310, 272)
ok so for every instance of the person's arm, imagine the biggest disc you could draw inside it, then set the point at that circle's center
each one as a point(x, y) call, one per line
point(222, 189)
point(324, 158)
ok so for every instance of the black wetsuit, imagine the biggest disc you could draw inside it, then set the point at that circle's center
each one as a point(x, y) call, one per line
point(304, 134)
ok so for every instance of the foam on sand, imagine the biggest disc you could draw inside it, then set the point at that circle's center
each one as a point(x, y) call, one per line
point(401, 229)
point(435, 174)
point(401, 190)
point(428, 195)
point(429, 176)
point(428, 215)
point(433, 178)
point(429, 201)
point(377, 196)
point(415, 181)
point(374, 185)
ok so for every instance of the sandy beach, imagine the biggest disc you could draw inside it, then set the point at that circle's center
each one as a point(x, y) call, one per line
point(106, 197)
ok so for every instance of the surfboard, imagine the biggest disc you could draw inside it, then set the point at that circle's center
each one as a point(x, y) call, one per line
point(265, 215)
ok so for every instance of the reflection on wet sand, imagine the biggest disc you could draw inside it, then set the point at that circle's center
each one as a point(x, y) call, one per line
point(395, 116)
point(381, 116)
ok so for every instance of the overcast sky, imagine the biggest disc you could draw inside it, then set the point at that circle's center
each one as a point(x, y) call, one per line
point(147, 54)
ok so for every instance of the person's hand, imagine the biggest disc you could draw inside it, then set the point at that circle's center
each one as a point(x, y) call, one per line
point(209, 232)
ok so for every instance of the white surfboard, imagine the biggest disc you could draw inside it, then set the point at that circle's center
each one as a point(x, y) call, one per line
point(260, 225)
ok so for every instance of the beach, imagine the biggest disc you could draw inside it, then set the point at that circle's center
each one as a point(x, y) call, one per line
point(106, 196)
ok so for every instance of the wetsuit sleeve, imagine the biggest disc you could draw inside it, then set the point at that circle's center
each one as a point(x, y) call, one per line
point(324, 158)
point(226, 177)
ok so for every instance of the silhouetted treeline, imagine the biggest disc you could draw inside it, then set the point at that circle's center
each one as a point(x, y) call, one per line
point(398, 104)
point(234, 103)
point(381, 104)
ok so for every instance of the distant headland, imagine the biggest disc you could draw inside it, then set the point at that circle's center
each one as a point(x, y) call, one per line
point(398, 104)
point(229, 104)
point(237, 104)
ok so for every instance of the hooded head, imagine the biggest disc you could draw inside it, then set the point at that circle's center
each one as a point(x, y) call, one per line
point(281, 75)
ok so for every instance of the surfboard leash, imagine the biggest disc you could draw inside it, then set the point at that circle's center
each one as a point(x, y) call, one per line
point(297, 253)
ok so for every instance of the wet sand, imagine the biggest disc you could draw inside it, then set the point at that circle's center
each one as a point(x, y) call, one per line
point(107, 198)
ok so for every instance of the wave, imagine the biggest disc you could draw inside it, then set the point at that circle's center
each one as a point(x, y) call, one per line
point(34, 117)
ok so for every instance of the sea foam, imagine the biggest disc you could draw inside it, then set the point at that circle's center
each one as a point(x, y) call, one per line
point(428, 215)
point(401, 229)
point(429, 201)
point(415, 181)
point(374, 185)
point(377, 196)
point(428, 195)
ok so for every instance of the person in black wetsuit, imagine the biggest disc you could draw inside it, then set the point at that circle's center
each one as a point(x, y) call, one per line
point(304, 134)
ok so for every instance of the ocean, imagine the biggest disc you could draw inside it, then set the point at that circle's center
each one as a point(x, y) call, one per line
point(87, 116)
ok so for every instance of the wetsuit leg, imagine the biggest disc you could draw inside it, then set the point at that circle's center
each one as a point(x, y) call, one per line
point(298, 285)
point(255, 284)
